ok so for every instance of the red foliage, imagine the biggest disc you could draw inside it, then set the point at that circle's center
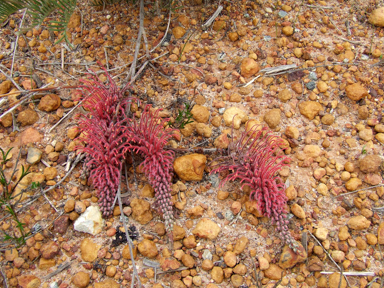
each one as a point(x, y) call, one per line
point(148, 138)
point(109, 134)
point(104, 130)
point(254, 160)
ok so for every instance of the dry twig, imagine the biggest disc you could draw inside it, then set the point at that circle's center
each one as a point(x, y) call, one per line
point(17, 40)
point(330, 257)
point(213, 17)
point(129, 240)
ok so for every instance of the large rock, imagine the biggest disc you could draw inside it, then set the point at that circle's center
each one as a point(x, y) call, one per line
point(74, 21)
point(200, 113)
point(206, 228)
point(60, 225)
point(240, 245)
point(380, 233)
point(30, 135)
point(7, 120)
point(289, 258)
point(141, 211)
point(28, 281)
point(217, 274)
point(356, 92)
point(90, 221)
point(234, 116)
point(46, 263)
point(11, 254)
point(49, 103)
point(81, 279)
point(315, 264)
point(353, 183)
point(148, 248)
point(5, 86)
point(366, 134)
point(272, 118)
point(274, 272)
point(310, 109)
point(49, 250)
point(312, 151)
point(358, 223)
point(334, 281)
point(89, 250)
point(33, 155)
point(178, 32)
point(377, 17)
point(284, 95)
point(190, 167)
point(298, 211)
point(27, 117)
point(249, 67)
point(370, 163)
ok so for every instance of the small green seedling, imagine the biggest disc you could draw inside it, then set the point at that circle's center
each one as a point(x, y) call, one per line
point(183, 118)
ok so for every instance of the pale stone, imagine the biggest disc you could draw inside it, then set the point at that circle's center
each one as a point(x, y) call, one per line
point(234, 116)
point(206, 228)
point(90, 221)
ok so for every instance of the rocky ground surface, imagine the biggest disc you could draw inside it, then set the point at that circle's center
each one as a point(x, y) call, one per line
point(328, 110)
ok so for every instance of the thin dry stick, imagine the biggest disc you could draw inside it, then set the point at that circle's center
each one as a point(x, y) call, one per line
point(250, 82)
point(165, 34)
point(60, 268)
point(320, 7)
point(17, 40)
point(4, 278)
point(351, 273)
point(62, 58)
point(370, 187)
point(173, 270)
point(18, 104)
point(42, 89)
point(49, 201)
point(137, 48)
point(350, 41)
point(210, 20)
point(329, 256)
point(65, 116)
point(185, 65)
point(138, 72)
point(129, 240)
point(13, 81)
point(106, 58)
point(146, 44)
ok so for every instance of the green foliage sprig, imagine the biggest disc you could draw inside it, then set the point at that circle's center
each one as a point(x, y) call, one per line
point(41, 9)
point(183, 118)
point(6, 199)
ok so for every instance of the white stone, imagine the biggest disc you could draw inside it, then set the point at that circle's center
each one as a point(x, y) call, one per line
point(90, 221)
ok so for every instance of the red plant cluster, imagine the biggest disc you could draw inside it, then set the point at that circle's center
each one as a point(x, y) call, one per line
point(109, 133)
point(254, 160)
point(104, 132)
point(147, 138)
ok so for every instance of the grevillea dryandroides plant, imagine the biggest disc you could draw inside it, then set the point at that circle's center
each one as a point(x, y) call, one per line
point(148, 137)
point(254, 160)
point(104, 129)
point(109, 134)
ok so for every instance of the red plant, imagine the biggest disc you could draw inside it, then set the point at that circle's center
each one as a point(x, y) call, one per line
point(104, 130)
point(254, 160)
point(147, 138)
point(109, 133)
